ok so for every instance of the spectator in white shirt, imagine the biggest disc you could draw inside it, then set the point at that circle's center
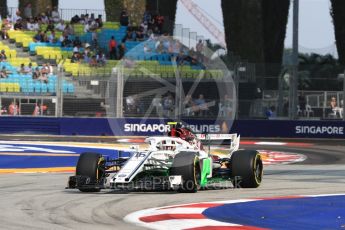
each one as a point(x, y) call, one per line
point(76, 49)
point(50, 69)
point(146, 49)
point(30, 25)
point(62, 37)
point(87, 27)
point(9, 18)
point(60, 26)
point(52, 37)
point(44, 18)
point(28, 69)
point(35, 25)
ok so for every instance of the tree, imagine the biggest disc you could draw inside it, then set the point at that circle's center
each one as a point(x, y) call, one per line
point(166, 8)
point(338, 15)
point(319, 72)
point(3, 9)
point(275, 17)
point(38, 6)
point(243, 24)
point(135, 10)
point(255, 31)
point(243, 29)
point(152, 5)
point(55, 3)
point(113, 9)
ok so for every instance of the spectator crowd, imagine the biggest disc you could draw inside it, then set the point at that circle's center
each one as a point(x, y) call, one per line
point(49, 23)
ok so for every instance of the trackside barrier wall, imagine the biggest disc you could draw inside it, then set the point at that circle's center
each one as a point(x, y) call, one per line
point(147, 127)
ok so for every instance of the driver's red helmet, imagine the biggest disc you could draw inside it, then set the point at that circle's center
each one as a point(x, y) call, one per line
point(186, 134)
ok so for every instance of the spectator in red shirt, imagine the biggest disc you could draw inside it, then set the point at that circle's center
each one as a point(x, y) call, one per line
point(112, 48)
point(160, 22)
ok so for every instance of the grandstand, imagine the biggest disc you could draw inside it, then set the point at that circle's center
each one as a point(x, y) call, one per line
point(85, 88)
point(24, 83)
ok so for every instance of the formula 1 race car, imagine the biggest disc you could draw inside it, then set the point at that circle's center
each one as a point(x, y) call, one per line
point(178, 161)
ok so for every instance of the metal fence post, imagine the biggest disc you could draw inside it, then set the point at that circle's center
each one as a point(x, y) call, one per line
point(343, 106)
point(59, 95)
point(295, 59)
point(120, 90)
point(237, 84)
point(280, 108)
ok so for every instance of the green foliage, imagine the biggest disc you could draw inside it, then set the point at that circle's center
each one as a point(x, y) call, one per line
point(243, 29)
point(55, 3)
point(319, 72)
point(338, 15)
point(167, 8)
point(38, 6)
point(275, 16)
point(113, 9)
point(22, 4)
point(3, 9)
point(255, 31)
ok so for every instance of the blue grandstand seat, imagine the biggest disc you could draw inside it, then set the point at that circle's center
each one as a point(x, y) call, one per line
point(70, 88)
point(30, 88)
point(161, 58)
point(87, 37)
point(24, 88)
point(44, 88)
point(65, 87)
point(33, 45)
point(22, 81)
point(196, 67)
point(165, 62)
point(51, 87)
point(15, 75)
point(147, 57)
point(154, 58)
point(52, 78)
point(37, 87)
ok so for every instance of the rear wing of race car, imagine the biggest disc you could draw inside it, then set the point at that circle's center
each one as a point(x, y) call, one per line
point(234, 139)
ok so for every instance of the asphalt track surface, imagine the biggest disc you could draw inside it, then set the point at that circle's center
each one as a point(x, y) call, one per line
point(39, 201)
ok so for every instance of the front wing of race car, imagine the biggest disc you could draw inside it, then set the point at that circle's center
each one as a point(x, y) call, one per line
point(151, 183)
point(85, 182)
point(145, 183)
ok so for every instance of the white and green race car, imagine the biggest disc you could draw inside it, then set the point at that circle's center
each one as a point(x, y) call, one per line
point(178, 161)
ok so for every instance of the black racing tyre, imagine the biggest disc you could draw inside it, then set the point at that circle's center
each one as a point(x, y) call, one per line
point(88, 165)
point(246, 168)
point(187, 165)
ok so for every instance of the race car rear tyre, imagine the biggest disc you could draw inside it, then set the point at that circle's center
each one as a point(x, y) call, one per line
point(187, 165)
point(246, 168)
point(88, 165)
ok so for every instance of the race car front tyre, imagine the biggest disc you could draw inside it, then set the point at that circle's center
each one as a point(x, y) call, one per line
point(246, 169)
point(88, 165)
point(187, 165)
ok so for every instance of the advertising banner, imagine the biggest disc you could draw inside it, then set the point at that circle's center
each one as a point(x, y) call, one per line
point(289, 129)
point(149, 127)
